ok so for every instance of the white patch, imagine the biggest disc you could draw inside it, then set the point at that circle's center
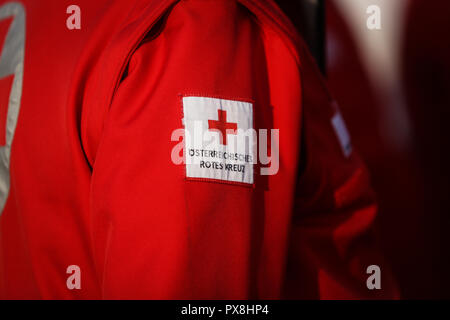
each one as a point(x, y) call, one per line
point(342, 134)
point(219, 139)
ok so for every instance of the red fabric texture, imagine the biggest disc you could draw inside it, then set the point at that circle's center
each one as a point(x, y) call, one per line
point(93, 183)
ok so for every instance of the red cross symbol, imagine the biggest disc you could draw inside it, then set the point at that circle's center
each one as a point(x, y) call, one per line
point(222, 126)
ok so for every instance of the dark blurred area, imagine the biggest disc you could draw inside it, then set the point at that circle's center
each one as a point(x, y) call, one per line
point(309, 16)
point(426, 76)
point(393, 88)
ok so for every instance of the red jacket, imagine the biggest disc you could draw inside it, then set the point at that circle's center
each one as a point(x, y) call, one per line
point(88, 176)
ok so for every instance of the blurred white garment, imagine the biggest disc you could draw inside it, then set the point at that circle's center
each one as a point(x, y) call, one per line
point(380, 51)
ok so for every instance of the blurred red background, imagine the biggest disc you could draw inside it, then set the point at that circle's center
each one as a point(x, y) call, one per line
point(393, 88)
point(410, 174)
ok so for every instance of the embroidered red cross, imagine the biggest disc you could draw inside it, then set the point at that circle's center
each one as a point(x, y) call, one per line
point(222, 126)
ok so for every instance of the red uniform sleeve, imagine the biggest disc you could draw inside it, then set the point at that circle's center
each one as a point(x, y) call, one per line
point(156, 233)
point(159, 234)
